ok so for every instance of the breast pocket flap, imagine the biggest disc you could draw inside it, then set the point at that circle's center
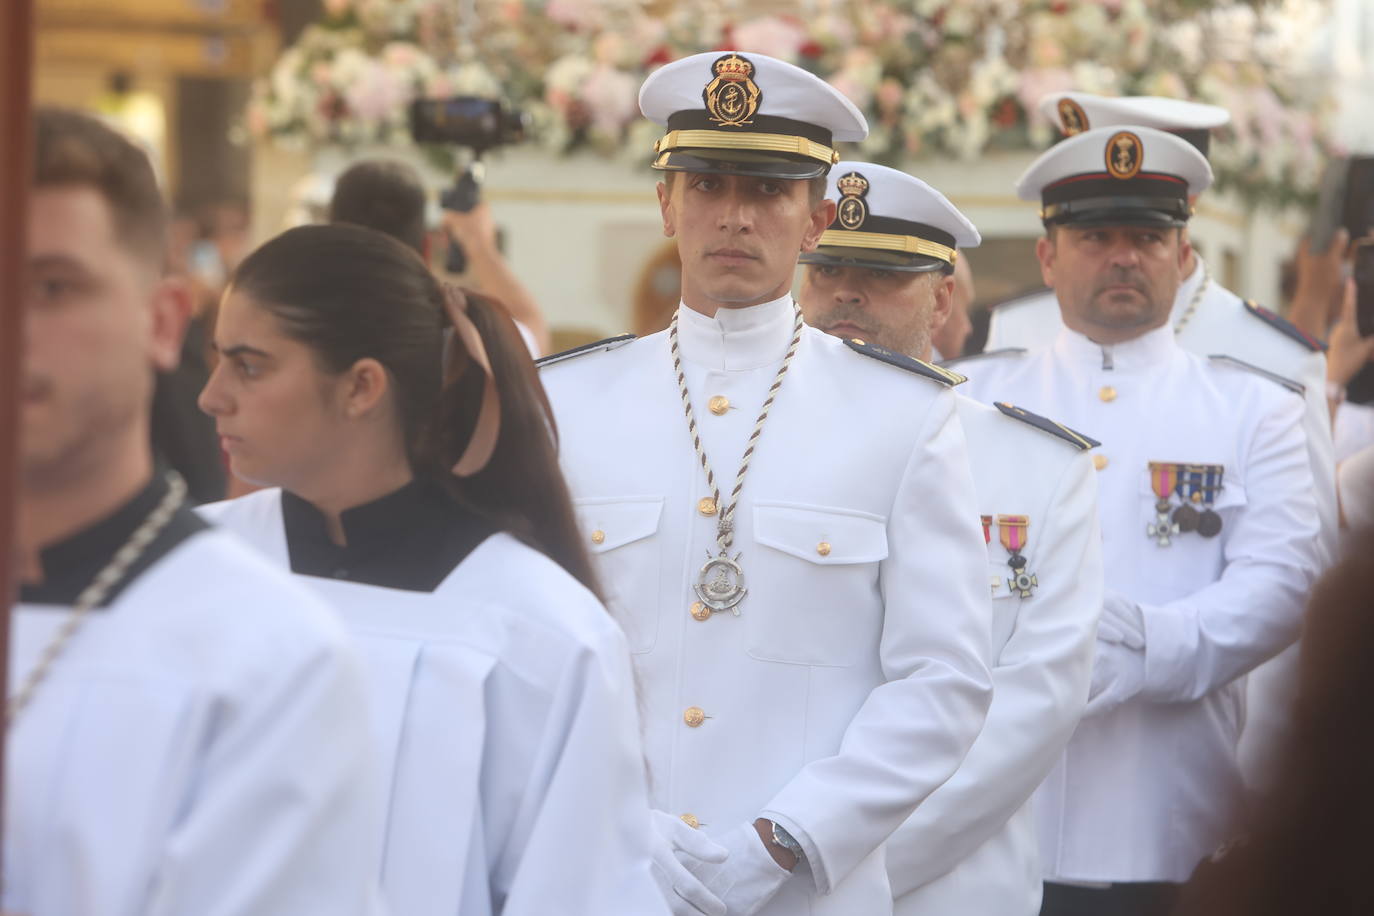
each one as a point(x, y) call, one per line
point(611, 523)
point(823, 536)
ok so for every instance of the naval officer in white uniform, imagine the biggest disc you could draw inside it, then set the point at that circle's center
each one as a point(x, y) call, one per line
point(187, 734)
point(417, 489)
point(884, 272)
point(785, 521)
point(1208, 521)
point(1209, 319)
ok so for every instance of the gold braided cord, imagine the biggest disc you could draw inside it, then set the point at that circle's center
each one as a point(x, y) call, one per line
point(845, 238)
point(1195, 301)
point(769, 143)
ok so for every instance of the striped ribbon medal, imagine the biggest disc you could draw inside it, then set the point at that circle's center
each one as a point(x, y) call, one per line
point(1164, 480)
point(1011, 531)
point(1209, 522)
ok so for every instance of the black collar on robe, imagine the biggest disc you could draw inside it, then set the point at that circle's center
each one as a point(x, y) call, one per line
point(410, 539)
point(71, 565)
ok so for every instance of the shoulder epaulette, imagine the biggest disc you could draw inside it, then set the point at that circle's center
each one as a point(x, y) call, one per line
point(604, 346)
point(1284, 326)
point(1074, 438)
point(1002, 351)
point(1288, 383)
point(918, 366)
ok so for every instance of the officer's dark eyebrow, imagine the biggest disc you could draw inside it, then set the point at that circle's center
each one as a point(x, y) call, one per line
point(239, 350)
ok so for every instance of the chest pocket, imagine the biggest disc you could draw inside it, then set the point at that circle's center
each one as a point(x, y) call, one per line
point(620, 536)
point(818, 599)
point(1190, 557)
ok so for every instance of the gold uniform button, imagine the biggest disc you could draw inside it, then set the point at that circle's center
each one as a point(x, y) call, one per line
point(691, 820)
point(718, 404)
point(694, 716)
point(700, 611)
point(823, 548)
point(1099, 461)
point(598, 536)
point(706, 506)
point(1107, 393)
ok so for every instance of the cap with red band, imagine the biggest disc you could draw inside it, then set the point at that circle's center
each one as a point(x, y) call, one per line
point(1117, 176)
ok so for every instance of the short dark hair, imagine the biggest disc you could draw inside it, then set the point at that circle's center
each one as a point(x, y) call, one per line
point(72, 149)
point(816, 186)
point(385, 195)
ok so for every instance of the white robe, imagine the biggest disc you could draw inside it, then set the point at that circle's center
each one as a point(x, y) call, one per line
point(503, 714)
point(198, 749)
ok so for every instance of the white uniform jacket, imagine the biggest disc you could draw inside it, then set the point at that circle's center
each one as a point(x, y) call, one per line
point(1220, 322)
point(503, 716)
point(854, 679)
point(1142, 793)
point(198, 748)
point(971, 847)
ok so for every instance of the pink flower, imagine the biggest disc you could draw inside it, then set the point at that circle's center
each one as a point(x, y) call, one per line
point(612, 99)
point(1034, 85)
point(376, 94)
point(771, 35)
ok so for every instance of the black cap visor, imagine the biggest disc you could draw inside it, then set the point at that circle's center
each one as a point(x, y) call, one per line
point(873, 259)
point(741, 162)
point(1164, 212)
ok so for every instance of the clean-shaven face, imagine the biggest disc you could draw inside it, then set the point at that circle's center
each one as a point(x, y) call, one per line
point(739, 236)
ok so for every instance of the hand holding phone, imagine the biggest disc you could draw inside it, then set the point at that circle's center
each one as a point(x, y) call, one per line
point(1363, 271)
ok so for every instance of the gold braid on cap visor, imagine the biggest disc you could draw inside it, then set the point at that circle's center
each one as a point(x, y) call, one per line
point(764, 143)
point(846, 238)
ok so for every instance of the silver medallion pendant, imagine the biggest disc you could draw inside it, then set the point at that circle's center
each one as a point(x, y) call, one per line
point(720, 585)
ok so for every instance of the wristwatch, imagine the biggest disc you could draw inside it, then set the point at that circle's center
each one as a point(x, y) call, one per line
point(787, 841)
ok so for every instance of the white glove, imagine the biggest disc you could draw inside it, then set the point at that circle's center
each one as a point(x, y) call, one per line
point(684, 891)
point(748, 878)
point(1118, 675)
point(1122, 621)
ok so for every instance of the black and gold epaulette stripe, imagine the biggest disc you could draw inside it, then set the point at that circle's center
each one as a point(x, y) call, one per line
point(910, 364)
point(1288, 383)
point(986, 354)
point(1045, 424)
point(603, 346)
point(1284, 326)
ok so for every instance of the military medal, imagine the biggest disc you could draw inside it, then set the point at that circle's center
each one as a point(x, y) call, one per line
point(720, 584)
point(1011, 530)
point(1209, 522)
point(1190, 491)
point(1164, 481)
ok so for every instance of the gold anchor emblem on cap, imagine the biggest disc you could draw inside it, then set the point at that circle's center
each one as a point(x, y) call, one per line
point(852, 210)
point(732, 97)
point(1072, 119)
point(1125, 154)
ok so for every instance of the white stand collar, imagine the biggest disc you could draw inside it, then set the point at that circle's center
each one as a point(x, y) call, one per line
point(736, 339)
point(1149, 349)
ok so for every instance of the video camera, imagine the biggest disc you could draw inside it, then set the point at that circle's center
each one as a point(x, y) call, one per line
point(469, 123)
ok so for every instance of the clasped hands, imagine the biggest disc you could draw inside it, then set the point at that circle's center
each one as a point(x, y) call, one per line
point(702, 877)
point(1119, 663)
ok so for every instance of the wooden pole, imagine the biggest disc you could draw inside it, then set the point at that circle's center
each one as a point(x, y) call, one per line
point(16, 59)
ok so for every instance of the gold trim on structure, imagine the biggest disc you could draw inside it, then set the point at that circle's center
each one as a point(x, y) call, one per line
point(770, 143)
point(845, 238)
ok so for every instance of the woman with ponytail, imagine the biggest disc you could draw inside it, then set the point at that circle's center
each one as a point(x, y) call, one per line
point(411, 457)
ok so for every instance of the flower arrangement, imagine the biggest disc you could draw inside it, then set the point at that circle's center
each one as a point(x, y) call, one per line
point(934, 77)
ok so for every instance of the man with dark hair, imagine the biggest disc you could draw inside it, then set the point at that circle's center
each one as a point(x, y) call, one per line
point(385, 195)
point(389, 196)
point(800, 576)
point(185, 728)
point(1209, 521)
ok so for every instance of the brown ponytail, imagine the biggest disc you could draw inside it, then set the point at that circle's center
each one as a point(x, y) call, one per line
point(350, 293)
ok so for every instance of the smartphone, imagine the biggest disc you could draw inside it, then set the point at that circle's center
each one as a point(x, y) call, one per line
point(1326, 219)
point(1358, 215)
point(1364, 287)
